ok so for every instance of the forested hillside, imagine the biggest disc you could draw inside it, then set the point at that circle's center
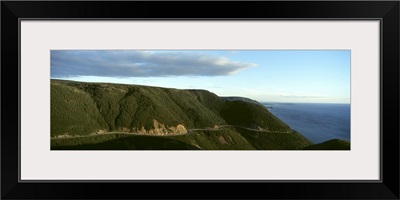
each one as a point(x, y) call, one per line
point(183, 119)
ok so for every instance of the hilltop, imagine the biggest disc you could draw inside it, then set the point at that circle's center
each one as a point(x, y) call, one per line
point(85, 113)
point(242, 99)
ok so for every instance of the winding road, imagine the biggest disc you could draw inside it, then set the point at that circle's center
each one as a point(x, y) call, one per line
point(189, 131)
point(235, 126)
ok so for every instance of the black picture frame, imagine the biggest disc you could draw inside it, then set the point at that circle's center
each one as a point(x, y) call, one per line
point(386, 11)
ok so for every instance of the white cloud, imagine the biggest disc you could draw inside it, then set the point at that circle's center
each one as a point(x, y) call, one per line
point(130, 63)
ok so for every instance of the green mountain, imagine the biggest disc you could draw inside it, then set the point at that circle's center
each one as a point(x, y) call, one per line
point(241, 99)
point(107, 116)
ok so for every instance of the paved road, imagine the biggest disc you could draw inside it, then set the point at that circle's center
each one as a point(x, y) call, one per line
point(189, 131)
point(236, 126)
point(110, 133)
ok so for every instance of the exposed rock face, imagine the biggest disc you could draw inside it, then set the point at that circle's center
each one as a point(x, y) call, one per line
point(222, 140)
point(160, 129)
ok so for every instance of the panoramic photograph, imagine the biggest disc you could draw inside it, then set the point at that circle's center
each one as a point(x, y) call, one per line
point(200, 100)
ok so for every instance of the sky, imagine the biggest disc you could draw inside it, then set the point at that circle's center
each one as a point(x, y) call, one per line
point(298, 76)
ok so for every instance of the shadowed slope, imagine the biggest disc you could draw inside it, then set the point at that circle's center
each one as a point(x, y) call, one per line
point(334, 144)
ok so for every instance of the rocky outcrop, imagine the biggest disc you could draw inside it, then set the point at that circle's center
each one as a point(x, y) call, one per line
point(158, 129)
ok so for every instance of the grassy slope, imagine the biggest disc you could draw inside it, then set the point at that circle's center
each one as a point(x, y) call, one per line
point(120, 142)
point(334, 144)
point(228, 139)
point(251, 115)
point(82, 108)
point(73, 111)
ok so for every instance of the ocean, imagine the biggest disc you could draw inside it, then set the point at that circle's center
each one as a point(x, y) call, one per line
point(317, 122)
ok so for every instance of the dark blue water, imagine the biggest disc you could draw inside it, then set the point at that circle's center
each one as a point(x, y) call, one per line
point(317, 122)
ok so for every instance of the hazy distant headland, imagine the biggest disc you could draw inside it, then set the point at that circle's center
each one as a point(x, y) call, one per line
point(106, 116)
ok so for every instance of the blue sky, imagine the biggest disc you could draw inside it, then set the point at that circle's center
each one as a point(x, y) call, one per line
point(307, 76)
